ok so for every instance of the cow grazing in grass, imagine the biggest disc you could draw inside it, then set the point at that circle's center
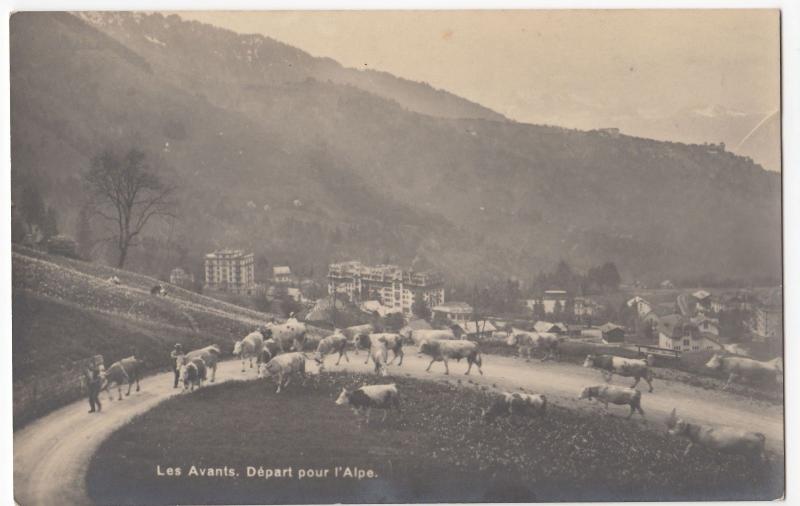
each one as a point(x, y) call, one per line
point(158, 290)
point(249, 348)
point(371, 397)
point(114, 280)
point(289, 335)
point(722, 439)
point(416, 337)
point(283, 367)
point(615, 395)
point(745, 368)
point(128, 370)
point(334, 343)
point(526, 342)
point(610, 365)
point(442, 351)
point(510, 403)
point(193, 373)
point(393, 343)
point(209, 354)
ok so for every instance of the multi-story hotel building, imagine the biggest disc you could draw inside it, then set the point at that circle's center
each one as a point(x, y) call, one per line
point(394, 287)
point(230, 271)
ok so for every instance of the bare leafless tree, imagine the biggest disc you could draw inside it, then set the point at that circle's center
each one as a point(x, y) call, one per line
point(126, 192)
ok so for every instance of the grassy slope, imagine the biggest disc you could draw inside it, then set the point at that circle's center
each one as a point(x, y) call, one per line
point(65, 310)
point(436, 450)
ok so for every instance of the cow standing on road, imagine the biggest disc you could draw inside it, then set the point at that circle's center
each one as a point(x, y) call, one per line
point(393, 343)
point(527, 342)
point(629, 367)
point(442, 351)
point(127, 370)
point(740, 367)
point(289, 335)
point(416, 337)
point(334, 343)
point(209, 354)
point(193, 373)
point(249, 348)
point(371, 397)
point(721, 439)
point(284, 367)
point(615, 395)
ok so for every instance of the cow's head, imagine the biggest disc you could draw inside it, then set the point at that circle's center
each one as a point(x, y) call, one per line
point(362, 341)
point(185, 374)
point(237, 348)
point(407, 336)
point(715, 362)
point(588, 393)
point(427, 347)
point(675, 425)
point(266, 331)
point(344, 397)
point(589, 362)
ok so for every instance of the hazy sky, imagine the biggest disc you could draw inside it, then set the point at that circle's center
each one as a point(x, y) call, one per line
point(574, 68)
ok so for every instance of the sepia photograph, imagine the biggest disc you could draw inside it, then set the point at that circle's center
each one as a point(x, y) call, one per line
point(396, 256)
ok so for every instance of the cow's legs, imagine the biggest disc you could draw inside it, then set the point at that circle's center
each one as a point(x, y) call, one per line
point(632, 411)
point(402, 354)
point(649, 381)
point(446, 369)
point(385, 412)
point(251, 361)
point(119, 390)
point(369, 411)
point(213, 373)
point(429, 365)
point(368, 355)
point(638, 378)
point(242, 363)
point(130, 384)
point(607, 376)
point(280, 382)
point(137, 382)
point(469, 366)
point(686, 452)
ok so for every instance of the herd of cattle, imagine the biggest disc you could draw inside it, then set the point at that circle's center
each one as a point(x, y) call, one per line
point(280, 353)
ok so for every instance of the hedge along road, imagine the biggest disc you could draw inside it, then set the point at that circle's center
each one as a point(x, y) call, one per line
point(52, 454)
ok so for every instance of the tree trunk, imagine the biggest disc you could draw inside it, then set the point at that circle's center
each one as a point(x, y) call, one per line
point(123, 253)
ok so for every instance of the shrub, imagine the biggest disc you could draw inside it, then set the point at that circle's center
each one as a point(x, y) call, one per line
point(62, 245)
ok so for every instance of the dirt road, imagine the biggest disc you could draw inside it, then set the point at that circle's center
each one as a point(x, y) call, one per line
point(51, 455)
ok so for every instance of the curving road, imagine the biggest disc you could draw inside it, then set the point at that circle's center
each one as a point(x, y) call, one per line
point(52, 454)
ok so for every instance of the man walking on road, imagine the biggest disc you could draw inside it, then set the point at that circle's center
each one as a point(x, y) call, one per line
point(95, 384)
point(176, 354)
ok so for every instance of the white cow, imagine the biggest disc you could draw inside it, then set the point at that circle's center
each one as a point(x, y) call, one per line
point(416, 337)
point(334, 343)
point(442, 351)
point(210, 356)
point(722, 439)
point(368, 397)
point(289, 335)
point(249, 348)
point(284, 367)
point(615, 395)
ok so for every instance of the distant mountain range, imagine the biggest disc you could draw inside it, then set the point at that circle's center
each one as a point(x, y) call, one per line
point(304, 161)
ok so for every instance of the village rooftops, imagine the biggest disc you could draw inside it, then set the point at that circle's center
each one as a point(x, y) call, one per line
point(610, 326)
point(701, 295)
point(281, 270)
point(226, 253)
point(675, 326)
point(453, 308)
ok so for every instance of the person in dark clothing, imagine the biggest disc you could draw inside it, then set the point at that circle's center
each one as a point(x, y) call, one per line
point(95, 384)
point(175, 355)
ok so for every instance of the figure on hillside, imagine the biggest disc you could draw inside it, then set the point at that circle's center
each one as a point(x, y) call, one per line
point(177, 357)
point(95, 384)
